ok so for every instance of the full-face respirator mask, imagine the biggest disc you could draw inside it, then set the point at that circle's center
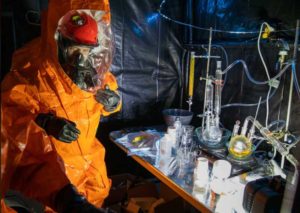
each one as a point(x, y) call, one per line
point(85, 47)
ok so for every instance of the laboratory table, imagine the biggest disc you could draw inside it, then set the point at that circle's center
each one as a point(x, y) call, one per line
point(182, 179)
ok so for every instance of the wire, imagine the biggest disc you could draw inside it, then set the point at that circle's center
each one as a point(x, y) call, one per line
point(208, 29)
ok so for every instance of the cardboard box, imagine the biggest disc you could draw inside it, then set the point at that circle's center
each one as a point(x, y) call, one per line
point(146, 189)
point(175, 206)
point(145, 198)
point(140, 204)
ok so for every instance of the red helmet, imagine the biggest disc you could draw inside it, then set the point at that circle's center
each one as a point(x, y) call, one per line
point(79, 27)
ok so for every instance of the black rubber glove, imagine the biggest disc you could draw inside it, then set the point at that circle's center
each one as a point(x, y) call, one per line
point(60, 128)
point(108, 98)
point(68, 200)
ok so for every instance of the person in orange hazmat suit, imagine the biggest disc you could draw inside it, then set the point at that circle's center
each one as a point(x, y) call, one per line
point(52, 100)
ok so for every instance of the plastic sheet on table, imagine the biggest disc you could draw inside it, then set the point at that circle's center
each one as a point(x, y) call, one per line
point(167, 165)
point(141, 143)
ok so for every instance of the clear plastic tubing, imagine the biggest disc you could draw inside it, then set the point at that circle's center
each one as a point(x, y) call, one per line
point(249, 105)
point(250, 77)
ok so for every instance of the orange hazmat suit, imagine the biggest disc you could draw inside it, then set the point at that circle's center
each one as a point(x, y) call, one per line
point(36, 164)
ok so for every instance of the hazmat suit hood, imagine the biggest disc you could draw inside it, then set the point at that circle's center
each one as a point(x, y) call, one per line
point(85, 47)
point(38, 84)
point(98, 10)
point(57, 9)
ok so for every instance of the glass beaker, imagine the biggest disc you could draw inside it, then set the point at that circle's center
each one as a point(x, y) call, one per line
point(187, 135)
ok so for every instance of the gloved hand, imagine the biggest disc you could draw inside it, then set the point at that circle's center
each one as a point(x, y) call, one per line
point(60, 128)
point(108, 98)
point(68, 200)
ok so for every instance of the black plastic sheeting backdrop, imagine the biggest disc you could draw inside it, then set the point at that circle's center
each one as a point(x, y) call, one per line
point(147, 60)
point(152, 55)
point(152, 52)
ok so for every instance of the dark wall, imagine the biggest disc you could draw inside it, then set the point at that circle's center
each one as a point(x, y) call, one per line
point(20, 23)
point(147, 59)
point(242, 16)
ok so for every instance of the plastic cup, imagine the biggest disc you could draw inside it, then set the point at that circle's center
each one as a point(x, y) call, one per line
point(201, 172)
point(221, 169)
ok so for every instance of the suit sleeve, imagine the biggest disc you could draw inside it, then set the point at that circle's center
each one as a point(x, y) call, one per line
point(32, 164)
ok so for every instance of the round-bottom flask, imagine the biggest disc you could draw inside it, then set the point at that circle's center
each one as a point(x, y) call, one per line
point(212, 135)
point(240, 147)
